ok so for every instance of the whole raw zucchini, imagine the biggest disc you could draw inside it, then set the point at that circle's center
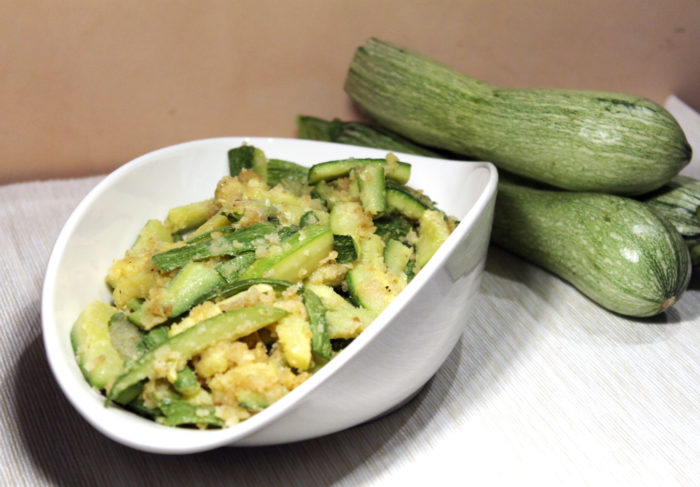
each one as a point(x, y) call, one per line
point(576, 140)
point(615, 250)
point(679, 203)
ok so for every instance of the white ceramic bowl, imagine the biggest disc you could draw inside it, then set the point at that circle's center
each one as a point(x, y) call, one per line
point(390, 361)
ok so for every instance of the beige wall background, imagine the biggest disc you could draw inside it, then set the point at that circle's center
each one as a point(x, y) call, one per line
point(86, 86)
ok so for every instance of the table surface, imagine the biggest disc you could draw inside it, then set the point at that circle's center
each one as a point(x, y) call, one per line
point(543, 387)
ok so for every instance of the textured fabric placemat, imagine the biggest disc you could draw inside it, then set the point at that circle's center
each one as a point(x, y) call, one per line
point(543, 387)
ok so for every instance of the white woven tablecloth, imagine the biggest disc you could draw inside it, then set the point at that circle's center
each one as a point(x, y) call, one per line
point(543, 387)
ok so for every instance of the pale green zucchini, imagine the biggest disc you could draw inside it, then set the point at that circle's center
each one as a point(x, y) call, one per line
point(679, 203)
point(98, 359)
point(302, 253)
point(576, 140)
point(615, 250)
point(189, 216)
point(357, 133)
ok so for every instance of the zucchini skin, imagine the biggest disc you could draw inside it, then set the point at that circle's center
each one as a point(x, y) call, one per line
point(613, 249)
point(575, 140)
point(679, 203)
point(357, 133)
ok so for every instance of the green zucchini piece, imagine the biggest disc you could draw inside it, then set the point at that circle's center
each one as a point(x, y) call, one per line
point(186, 382)
point(432, 233)
point(346, 218)
point(410, 270)
point(130, 394)
point(344, 320)
point(126, 337)
point(152, 231)
point(302, 253)
point(320, 342)
point(615, 250)
point(138, 406)
point(155, 337)
point(358, 280)
point(190, 216)
point(137, 312)
point(402, 201)
point(247, 157)
point(344, 245)
point(575, 140)
point(419, 195)
point(372, 187)
point(217, 222)
point(97, 358)
point(397, 256)
point(231, 325)
point(396, 170)
point(252, 401)
point(210, 234)
point(392, 226)
point(324, 192)
point(290, 175)
point(309, 218)
point(329, 297)
point(357, 133)
point(235, 287)
point(215, 243)
point(179, 413)
point(368, 282)
point(287, 232)
point(232, 269)
point(189, 287)
point(347, 323)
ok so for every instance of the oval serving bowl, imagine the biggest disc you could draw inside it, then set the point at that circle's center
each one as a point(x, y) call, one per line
point(381, 369)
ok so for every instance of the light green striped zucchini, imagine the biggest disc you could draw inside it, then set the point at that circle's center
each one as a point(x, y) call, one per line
point(679, 203)
point(576, 140)
point(614, 249)
point(357, 133)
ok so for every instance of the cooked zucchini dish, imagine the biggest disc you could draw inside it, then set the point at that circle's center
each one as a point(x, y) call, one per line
point(227, 304)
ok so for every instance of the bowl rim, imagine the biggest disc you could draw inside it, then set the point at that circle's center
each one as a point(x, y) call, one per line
point(200, 440)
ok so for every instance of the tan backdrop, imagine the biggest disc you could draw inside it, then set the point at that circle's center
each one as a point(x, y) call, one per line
point(85, 86)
